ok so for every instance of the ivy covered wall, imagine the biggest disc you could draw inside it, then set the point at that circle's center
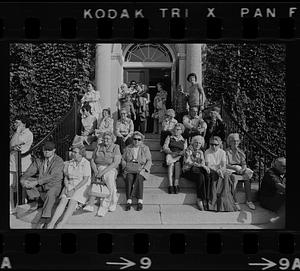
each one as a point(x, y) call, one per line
point(43, 80)
point(251, 78)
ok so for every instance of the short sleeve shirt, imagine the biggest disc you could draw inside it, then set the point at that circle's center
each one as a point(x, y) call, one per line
point(125, 127)
point(236, 157)
point(105, 156)
point(214, 160)
point(77, 172)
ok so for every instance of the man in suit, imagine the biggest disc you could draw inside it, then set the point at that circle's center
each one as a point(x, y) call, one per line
point(43, 181)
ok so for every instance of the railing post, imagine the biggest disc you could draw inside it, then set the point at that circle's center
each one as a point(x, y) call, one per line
point(75, 115)
point(19, 173)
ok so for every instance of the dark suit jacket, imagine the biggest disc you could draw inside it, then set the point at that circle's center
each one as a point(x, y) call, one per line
point(53, 175)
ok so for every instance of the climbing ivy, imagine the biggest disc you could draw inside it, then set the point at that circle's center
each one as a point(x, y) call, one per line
point(251, 78)
point(44, 79)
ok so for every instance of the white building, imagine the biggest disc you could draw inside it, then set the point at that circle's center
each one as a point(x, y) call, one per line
point(145, 63)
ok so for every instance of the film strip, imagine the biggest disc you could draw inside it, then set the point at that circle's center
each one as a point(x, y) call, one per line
point(149, 136)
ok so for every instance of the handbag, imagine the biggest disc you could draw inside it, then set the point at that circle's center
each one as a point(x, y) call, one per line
point(133, 167)
point(99, 189)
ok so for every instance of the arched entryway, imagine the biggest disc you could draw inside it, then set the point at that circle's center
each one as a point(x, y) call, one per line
point(149, 64)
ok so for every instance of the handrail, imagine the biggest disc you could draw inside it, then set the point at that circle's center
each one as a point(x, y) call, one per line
point(37, 145)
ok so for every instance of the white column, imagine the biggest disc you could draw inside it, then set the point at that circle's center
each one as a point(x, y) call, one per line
point(194, 61)
point(117, 76)
point(103, 73)
point(182, 73)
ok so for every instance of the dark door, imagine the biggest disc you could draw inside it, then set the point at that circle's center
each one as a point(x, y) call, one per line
point(138, 75)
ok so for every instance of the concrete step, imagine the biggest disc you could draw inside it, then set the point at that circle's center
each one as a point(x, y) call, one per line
point(152, 136)
point(153, 145)
point(158, 156)
point(160, 217)
point(186, 196)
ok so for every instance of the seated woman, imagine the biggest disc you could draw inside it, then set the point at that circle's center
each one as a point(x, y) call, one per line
point(136, 162)
point(89, 124)
point(77, 178)
point(236, 163)
point(105, 161)
point(194, 169)
point(220, 187)
point(167, 125)
point(124, 130)
point(105, 124)
point(174, 147)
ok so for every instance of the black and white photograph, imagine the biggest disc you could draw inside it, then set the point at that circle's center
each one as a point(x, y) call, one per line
point(147, 136)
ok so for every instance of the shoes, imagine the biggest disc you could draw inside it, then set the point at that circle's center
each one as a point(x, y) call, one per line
point(250, 205)
point(200, 205)
point(176, 189)
point(88, 208)
point(237, 206)
point(170, 191)
point(112, 207)
point(139, 207)
point(128, 207)
point(101, 211)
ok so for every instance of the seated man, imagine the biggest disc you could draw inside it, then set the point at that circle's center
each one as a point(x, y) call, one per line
point(191, 124)
point(43, 181)
point(272, 189)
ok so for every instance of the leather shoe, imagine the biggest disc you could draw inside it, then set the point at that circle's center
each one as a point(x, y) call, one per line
point(139, 207)
point(170, 189)
point(128, 207)
point(176, 189)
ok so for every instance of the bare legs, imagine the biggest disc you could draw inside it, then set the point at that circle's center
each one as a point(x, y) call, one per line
point(59, 211)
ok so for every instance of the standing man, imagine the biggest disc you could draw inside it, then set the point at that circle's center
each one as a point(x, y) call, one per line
point(180, 103)
point(20, 141)
point(196, 93)
point(46, 187)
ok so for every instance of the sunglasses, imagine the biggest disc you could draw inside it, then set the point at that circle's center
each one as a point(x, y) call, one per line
point(138, 139)
point(213, 144)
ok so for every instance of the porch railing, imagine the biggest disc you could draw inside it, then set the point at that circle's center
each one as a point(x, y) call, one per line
point(62, 134)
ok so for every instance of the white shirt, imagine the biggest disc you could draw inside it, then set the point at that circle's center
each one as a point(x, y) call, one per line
point(25, 136)
point(215, 160)
point(135, 152)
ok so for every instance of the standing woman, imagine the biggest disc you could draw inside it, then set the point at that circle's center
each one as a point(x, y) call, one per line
point(77, 179)
point(105, 124)
point(194, 169)
point(196, 95)
point(92, 97)
point(174, 147)
point(220, 188)
point(159, 107)
point(105, 161)
point(136, 162)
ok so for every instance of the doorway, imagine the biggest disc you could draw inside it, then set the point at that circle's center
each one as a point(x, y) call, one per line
point(150, 77)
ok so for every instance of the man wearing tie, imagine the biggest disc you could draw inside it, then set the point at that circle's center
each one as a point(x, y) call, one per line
point(43, 181)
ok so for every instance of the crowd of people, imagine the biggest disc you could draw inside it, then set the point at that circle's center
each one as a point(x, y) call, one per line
point(195, 147)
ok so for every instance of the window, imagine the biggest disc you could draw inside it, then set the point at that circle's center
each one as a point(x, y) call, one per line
point(148, 53)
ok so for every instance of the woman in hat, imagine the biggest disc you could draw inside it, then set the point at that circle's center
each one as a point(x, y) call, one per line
point(77, 178)
point(105, 161)
point(236, 163)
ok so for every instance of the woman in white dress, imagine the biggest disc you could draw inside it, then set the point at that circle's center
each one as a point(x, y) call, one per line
point(77, 179)
point(92, 97)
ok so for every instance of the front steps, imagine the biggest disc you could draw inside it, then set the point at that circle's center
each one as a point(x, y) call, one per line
point(162, 210)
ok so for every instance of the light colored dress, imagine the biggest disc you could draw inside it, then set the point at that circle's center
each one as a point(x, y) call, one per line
point(106, 124)
point(93, 98)
point(75, 174)
point(160, 105)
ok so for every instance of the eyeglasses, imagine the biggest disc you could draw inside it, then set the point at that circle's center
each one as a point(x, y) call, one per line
point(47, 149)
point(214, 144)
point(138, 139)
point(178, 129)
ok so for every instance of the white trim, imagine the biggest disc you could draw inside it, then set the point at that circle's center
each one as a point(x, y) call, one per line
point(171, 51)
point(147, 65)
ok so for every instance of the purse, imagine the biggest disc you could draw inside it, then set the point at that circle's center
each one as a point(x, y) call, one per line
point(133, 167)
point(99, 189)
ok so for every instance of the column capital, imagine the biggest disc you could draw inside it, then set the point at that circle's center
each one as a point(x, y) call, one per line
point(181, 56)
